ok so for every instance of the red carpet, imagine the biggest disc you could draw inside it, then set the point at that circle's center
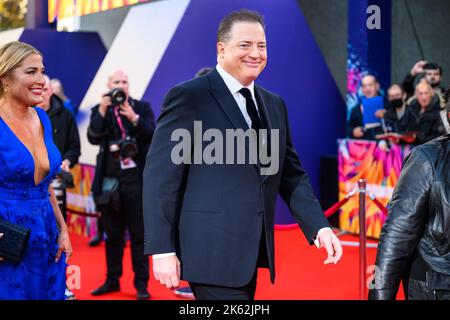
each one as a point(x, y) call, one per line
point(300, 272)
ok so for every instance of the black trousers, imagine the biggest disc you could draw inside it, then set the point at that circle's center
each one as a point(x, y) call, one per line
point(100, 227)
point(125, 211)
point(209, 292)
point(247, 292)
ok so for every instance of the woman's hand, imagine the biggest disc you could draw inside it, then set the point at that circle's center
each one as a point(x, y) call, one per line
point(64, 245)
point(1, 235)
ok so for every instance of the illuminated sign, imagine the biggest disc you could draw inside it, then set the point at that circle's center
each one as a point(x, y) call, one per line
point(60, 9)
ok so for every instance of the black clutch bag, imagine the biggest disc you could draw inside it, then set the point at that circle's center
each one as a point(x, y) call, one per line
point(14, 241)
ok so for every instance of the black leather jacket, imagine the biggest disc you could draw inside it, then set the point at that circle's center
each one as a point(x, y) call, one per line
point(418, 220)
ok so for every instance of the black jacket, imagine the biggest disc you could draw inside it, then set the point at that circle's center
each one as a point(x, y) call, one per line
point(397, 125)
point(428, 124)
point(213, 215)
point(418, 220)
point(102, 129)
point(65, 131)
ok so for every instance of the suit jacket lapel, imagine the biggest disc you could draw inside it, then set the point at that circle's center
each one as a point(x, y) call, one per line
point(263, 106)
point(226, 100)
point(228, 104)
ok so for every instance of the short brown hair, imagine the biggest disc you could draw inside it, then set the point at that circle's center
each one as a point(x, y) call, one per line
point(396, 85)
point(244, 15)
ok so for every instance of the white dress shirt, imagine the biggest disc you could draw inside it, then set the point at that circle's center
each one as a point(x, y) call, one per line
point(234, 86)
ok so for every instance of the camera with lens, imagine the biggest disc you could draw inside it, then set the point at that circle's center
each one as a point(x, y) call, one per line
point(66, 180)
point(118, 97)
point(129, 147)
point(114, 148)
point(126, 148)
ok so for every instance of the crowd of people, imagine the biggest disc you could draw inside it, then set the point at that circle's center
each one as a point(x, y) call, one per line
point(414, 241)
point(415, 108)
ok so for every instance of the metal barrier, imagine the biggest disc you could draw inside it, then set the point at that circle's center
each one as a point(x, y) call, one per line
point(362, 193)
point(362, 239)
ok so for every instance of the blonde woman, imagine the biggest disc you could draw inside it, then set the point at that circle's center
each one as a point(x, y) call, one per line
point(29, 161)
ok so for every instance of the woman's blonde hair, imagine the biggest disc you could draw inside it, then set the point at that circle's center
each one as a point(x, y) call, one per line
point(12, 55)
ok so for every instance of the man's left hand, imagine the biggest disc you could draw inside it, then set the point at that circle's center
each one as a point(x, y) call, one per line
point(127, 111)
point(328, 239)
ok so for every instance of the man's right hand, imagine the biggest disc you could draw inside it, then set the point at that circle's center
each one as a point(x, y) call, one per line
point(418, 68)
point(1, 235)
point(104, 104)
point(358, 132)
point(167, 271)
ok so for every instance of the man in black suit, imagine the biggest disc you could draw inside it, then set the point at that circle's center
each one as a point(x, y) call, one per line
point(123, 127)
point(210, 221)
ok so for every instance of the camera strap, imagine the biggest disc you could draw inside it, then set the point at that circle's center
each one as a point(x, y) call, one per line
point(126, 163)
point(119, 122)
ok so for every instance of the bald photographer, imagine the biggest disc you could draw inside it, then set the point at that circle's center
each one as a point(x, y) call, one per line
point(123, 127)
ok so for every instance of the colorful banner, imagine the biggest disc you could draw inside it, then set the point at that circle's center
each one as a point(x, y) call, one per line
point(369, 50)
point(60, 9)
point(380, 165)
point(80, 202)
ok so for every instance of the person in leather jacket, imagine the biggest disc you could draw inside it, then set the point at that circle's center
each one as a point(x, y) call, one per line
point(415, 238)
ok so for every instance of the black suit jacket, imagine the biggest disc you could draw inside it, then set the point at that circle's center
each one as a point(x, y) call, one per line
point(213, 215)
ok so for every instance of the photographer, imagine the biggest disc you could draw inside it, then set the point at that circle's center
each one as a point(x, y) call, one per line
point(123, 127)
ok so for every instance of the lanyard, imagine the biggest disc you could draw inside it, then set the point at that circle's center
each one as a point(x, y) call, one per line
point(119, 122)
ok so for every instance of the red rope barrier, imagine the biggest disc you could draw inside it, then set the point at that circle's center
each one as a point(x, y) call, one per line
point(378, 204)
point(84, 214)
point(335, 207)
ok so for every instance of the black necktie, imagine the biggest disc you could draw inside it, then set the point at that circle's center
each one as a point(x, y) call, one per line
point(251, 109)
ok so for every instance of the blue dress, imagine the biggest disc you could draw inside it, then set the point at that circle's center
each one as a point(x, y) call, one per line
point(24, 203)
